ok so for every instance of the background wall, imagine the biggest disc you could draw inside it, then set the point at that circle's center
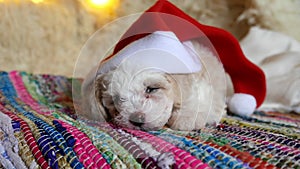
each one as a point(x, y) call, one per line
point(47, 37)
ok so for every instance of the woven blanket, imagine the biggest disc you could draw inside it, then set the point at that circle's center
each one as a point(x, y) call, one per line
point(39, 129)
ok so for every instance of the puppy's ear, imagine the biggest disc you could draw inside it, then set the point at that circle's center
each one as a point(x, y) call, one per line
point(93, 88)
point(102, 96)
point(176, 95)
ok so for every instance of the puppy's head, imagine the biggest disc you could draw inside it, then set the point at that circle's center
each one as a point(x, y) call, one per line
point(141, 99)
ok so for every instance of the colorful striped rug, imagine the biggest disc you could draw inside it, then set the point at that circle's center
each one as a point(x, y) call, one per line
point(39, 129)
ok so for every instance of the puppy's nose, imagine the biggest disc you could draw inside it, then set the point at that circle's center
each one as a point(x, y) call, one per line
point(137, 119)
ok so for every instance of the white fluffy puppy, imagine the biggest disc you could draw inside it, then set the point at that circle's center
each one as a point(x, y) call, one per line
point(148, 99)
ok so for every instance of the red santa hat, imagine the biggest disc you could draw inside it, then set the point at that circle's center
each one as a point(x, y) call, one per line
point(164, 27)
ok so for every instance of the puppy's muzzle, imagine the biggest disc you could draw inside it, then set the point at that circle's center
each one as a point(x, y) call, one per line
point(137, 119)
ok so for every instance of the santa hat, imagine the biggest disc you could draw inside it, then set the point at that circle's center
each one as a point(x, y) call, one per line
point(164, 27)
point(161, 51)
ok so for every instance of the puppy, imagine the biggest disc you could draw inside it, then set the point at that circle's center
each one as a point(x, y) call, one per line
point(147, 99)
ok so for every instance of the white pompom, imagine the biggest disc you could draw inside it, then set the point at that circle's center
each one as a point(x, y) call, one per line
point(242, 104)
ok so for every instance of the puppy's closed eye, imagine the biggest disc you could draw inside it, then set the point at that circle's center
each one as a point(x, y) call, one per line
point(150, 90)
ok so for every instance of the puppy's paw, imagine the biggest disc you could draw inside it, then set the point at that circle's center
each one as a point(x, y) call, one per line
point(183, 124)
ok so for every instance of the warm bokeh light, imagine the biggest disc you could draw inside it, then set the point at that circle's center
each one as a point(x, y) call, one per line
point(101, 3)
point(104, 10)
point(37, 1)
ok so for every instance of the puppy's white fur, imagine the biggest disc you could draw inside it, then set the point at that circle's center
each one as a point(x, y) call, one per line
point(182, 101)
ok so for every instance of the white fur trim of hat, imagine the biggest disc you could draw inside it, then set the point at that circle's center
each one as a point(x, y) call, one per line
point(242, 104)
point(161, 50)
